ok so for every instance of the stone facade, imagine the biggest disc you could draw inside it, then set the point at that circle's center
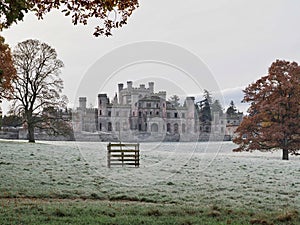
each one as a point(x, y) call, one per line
point(140, 114)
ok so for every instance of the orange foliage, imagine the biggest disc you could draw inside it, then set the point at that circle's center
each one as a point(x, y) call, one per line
point(274, 114)
point(7, 69)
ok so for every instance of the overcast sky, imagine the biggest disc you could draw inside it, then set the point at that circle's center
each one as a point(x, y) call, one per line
point(237, 40)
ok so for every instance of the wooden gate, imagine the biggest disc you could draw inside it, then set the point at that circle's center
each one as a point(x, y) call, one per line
point(123, 154)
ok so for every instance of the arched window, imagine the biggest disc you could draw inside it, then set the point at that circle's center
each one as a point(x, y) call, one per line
point(169, 127)
point(176, 128)
point(154, 127)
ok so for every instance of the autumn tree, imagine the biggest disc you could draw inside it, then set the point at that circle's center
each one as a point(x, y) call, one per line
point(7, 70)
point(110, 13)
point(274, 114)
point(38, 85)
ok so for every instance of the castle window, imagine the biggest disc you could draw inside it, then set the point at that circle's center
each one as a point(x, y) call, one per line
point(154, 127)
point(176, 115)
point(109, 113)
point(157, 113)
point(150, 113)
point(100, 126)
point(100, 112)
point(148, 105)
point(157, 105)
point(140, 114)
point(133, 113)
point(169, 127)
point(176, 128)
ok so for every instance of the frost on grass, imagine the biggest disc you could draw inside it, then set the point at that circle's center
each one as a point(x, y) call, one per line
point(195, 173)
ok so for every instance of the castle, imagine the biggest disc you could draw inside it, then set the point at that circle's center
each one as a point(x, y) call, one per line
point(141, 114)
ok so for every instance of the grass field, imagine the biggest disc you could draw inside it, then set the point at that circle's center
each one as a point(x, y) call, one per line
point(177, 183)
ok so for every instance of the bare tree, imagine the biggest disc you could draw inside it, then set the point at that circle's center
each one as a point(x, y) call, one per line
point(38, 85)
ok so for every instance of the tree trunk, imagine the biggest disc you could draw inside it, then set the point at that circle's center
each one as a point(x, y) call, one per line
point(285, 154)
point(30, 125)
point(31, 133)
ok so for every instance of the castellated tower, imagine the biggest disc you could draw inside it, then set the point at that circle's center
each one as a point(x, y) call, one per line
point(120, 88)
point(82, 103)
point(190, 114)
point(103, 102)
point(151, 87)
point(103, 113)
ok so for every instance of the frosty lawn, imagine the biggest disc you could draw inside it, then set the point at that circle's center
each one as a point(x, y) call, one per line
point(194, 174)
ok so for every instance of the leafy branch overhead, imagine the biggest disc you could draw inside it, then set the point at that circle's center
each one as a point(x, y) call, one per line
point(111, 13)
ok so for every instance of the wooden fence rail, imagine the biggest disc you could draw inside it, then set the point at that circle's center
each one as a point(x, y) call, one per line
point(123, 154)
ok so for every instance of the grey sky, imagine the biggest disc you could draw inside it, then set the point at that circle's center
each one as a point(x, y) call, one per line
point(236, 39)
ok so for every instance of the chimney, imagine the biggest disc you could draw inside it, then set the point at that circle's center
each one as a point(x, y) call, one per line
point(129, 85)
point(120, 86)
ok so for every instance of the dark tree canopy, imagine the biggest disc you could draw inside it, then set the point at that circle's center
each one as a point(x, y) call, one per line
point(7, 70)
point(38, 85)
point(274, 114)
point(207, 96)
point(110, 13)
point(231, 110)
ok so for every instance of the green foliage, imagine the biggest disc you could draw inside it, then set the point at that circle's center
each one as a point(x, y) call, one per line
point(13, 11)
point(34, 211)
